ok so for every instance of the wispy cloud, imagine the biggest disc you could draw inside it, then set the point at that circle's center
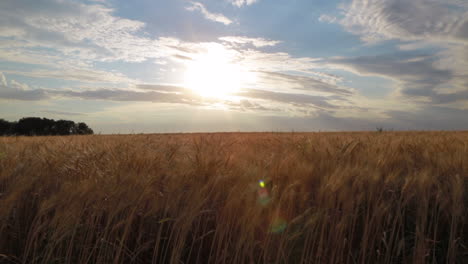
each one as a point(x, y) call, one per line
point(240, 3)
point(247, 99)
point(306, 83)
point(22, 95)
point(416, 77)
point(289, 98)
point(327, 18)
point(74, 31)
point(19, 91)
point(257, 42)
point(437, 76)
point(77, 74)
point(62, 113)
point(196, 6)
point(435, 20)
point(3, 80)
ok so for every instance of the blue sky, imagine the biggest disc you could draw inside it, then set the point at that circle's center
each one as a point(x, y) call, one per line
point(236, 65)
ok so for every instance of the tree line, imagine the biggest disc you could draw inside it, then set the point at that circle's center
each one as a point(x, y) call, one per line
point(35, 126)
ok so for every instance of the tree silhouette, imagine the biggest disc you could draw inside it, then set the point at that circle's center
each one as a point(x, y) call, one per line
point(31, 126)
point(64, 127)
point(83, 129)
point(6, 127)
point(35, 126)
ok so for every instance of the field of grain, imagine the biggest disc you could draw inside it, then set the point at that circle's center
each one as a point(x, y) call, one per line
point(391, 197)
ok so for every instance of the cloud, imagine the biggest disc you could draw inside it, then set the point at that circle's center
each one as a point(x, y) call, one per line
point(289, 98)
point(240, 3)
point(131, 95)
point(245, 105)
point(416, 71)
point(196, 6)
point(257, 42)
point(22, 95)
point(275, 61)
point(302, 89)
point(250, 95)
point(327, 18)
point(161, 87)
point(433, 37)
point(19, 91)
point(445, 98)
point(435, 20)
point(250, 105)
point(3, 80)
point(69, 37)
point(17, 85)
point(247, 58)
point(77, 74)
point(74, 31)
point(164, 94)
point(415, 76)
point(306, 83)
point(62, 113)
point(248, 99)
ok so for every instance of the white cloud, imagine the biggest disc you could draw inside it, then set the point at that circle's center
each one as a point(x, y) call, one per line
point(196, 6)
point(74, 36)
point(327, 18)
point(77, 74)
point(62, 113)
point(20, 91)
point(3, 80)
point(257, 42)
point(275, 61)
point(75, 30)
point(85, 36)
point(309, 83)
point(240, 3)
point(17, 85)
point(73, 40)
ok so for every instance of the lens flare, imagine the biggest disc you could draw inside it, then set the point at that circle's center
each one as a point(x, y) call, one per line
point(278, 222)
point(278, 225)
point(261, 183)
point(263, 194)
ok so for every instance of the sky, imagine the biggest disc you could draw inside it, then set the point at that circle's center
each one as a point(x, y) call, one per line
point(147, 66)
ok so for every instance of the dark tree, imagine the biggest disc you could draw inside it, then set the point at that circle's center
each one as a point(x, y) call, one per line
point(64, 127)
point(5, 127)
point(32, 126)
point(29, 126)
point(83, 129)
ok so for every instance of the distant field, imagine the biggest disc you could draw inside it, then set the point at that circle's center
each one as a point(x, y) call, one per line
point(391, 197)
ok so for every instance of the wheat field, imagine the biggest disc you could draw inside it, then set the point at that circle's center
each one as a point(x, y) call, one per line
point(367, 197)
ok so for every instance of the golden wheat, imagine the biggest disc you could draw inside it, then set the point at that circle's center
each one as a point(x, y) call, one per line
point(392, 197)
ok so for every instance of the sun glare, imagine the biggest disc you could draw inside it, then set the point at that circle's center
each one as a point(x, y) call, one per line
point(214, 74)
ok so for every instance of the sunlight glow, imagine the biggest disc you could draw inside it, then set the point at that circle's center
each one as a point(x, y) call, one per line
point(215, 73)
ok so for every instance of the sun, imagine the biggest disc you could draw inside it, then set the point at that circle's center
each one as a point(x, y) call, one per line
point(214, 74)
